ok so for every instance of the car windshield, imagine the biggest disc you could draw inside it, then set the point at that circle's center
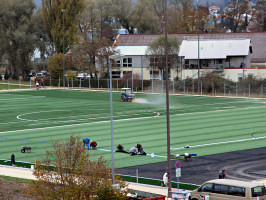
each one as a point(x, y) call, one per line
point(258, 191)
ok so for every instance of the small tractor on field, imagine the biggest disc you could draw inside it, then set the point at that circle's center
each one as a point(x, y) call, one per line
point(127, 96)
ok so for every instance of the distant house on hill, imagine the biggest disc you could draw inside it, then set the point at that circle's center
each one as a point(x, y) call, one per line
point(214, 10)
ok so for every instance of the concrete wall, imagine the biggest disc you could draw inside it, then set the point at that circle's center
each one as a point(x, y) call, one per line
point(232, 74)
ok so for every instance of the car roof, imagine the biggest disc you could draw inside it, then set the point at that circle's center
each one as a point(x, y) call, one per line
point(234, 183)
point(126, 88)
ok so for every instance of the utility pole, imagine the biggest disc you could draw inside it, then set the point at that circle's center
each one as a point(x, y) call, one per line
point(167, 105)
point(63, 11)
point(198, 49)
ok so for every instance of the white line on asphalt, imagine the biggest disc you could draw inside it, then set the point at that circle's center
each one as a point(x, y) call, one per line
point(225, 142)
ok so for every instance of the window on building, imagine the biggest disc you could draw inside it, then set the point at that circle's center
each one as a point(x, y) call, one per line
point(116, 74)
point(205, 63)
point(127, 62)
point(154, 62)
point(219, 61)
point(186, 63)
point(155, 75)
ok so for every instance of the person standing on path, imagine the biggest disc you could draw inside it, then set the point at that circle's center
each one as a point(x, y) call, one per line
point(13, 162)
point(42, 82)
point(222, 175)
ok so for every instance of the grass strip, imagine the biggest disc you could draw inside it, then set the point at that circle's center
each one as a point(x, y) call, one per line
point(157, 182)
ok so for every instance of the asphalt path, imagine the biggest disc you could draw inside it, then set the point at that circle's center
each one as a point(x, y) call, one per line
point(241, 165)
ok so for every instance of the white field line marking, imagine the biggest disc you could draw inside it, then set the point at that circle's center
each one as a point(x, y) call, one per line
point(210, 104)
point(220, 110)
point(18, 117)
point(149, 154)
point(181, 114)
point(145, 117)
point(155, 155)
point(217, 143)
point(88, 116)
point(33, 97)
point(70, 125)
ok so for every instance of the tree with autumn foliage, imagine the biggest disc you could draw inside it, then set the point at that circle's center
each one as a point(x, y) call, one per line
point(66, 172)
point(59, 13)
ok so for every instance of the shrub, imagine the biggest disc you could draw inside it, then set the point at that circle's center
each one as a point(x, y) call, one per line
point(55, 65)
point(6, 75)
point(71, 75)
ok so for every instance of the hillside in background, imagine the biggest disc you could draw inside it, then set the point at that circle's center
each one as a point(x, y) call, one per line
point(220, 3)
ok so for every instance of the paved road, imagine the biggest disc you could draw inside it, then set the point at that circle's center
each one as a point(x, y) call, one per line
point(242, 165)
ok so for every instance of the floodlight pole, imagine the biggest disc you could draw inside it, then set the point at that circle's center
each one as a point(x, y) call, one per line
point(111, 112)
point(63, 11)
point(198, 49)
point(167, 104)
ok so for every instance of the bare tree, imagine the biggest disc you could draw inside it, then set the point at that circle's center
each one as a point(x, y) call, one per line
point(234, 17)
point(96, 33)
point(261, 15)
point(128, 14)
point(156, 49)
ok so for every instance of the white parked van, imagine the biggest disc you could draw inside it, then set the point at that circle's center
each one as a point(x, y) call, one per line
point(226, 189)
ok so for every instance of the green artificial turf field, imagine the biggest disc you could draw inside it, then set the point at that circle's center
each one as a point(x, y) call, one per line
point(210, 125)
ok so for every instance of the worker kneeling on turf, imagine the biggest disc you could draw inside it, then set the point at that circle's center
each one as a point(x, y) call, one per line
point(86, 141)
point(120, 148)
point(93, 144)
point(140, 149)
point(133, 151)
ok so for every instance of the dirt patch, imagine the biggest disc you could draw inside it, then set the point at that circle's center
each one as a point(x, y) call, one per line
point(13, 190)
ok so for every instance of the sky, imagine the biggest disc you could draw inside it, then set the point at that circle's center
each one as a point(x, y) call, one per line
point(38, 2)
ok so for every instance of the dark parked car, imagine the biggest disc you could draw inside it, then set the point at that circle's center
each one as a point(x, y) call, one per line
point(32, 73)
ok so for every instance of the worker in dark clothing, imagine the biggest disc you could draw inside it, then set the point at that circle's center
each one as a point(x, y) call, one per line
point(13, 162)
point(222, 175)
point(93, 144)
point(120, 148)
point(140, 149)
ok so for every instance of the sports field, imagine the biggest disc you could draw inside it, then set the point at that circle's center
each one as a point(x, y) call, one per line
point(210, 125)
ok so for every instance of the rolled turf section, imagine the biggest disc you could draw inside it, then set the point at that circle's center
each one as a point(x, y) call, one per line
point(209, 125)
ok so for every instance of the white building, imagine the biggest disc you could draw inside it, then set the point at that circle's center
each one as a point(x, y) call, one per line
point(216, 54)
point(229, 54)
